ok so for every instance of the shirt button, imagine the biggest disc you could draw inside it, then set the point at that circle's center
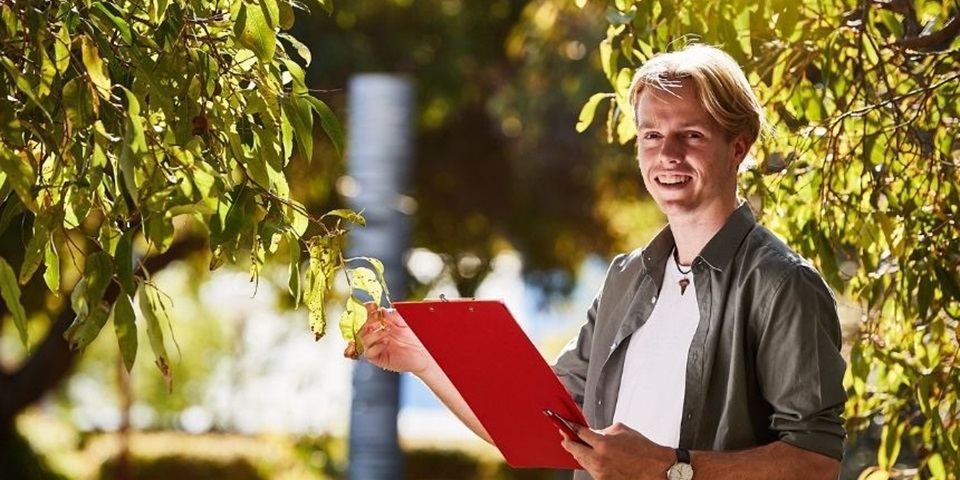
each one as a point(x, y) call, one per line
point(613, 346)
point(653, 299)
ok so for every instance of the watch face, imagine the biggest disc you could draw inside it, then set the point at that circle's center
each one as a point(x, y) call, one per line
point(680, 471)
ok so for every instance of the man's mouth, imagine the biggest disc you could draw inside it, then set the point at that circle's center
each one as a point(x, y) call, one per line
point(673, 180)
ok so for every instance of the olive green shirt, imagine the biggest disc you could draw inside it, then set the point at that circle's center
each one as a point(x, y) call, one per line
point(764, 364)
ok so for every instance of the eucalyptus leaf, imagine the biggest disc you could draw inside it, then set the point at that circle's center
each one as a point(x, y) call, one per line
point(124, 262)
point(20, 176)
point(10, 290)
point(51, 276)
point(590, 109)
point(152, 309)
point(351, 320)
point(324, 254)
point(96, 68)
point(253, 31)
point(124, 325)
point(329, 122)
point(87, 326)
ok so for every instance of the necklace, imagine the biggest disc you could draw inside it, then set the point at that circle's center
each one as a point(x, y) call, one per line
point(684, 281)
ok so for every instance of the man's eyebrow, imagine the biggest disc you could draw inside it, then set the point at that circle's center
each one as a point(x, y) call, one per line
point(684, 125)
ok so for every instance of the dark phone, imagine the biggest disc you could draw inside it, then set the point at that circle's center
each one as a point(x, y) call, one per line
point(563, 424)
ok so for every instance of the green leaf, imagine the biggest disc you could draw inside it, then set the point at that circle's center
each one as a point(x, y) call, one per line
point(118, 22)
point(125, 326)
point(61, 49)
point(47, 71)
point(98, 272)
point(239, 217)
point(253, 31)
point(891, 436)
point(302, 50)
point(86, 327)
point(294, 213)
point(23, 83)
point(134, 142)
point(20, 176)
point(271, 13)
point(10, 291)
point(287, 16)
point(35, 248)
point(935, 465)
point(589, 110)
point(380, 270)
point(366, 280)
point(96, 69)
point(124, 262)
point(152, 309)
point(293, 283)
point(158, 228)
point(351, 320)
point(297, 76)
point(298, 112)
point(329, 122)
point(347, 214)
point(51, 276)
point(78, 102)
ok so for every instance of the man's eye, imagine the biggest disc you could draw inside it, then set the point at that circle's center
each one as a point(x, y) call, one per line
point(651, 135)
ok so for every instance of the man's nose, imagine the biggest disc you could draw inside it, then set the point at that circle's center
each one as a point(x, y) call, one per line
point(671, 150)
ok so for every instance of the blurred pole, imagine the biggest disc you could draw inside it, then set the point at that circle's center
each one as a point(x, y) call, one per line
point(379, 156)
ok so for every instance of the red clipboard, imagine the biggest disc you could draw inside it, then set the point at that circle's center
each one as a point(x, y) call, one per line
point(500, 374)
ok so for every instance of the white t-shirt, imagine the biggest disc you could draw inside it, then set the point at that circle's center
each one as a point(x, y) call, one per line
point(652, 385)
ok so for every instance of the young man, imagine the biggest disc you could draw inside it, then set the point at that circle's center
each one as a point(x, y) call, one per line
point(711, 353)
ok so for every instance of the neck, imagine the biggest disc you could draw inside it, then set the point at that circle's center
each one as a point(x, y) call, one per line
point(692, 232)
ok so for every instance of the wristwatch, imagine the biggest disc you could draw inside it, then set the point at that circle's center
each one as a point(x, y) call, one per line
point(681, 470)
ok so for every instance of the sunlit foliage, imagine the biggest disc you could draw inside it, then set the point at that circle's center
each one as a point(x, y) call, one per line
point(861, 175)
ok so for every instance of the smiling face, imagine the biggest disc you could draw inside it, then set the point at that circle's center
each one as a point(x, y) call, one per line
point(688, 162)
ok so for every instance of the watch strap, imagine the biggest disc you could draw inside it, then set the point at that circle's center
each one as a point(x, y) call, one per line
point(683, 455)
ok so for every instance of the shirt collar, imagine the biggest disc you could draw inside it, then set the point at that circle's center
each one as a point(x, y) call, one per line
point(717, 253)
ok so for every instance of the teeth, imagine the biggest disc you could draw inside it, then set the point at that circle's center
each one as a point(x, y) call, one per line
point(672, 179)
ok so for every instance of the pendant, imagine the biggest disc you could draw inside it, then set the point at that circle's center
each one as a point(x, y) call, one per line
point(683, 285)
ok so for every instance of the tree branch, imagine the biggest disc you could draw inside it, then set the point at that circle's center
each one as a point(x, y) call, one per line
point(939, 40)
point(53, 358)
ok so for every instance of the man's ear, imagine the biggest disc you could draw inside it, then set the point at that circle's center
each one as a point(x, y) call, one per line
point(741, 145)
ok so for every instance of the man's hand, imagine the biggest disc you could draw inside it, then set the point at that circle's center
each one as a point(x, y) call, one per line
point(390, 344)
point(619, 452)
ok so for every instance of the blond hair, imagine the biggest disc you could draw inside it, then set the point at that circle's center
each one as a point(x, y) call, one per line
point(720, 83)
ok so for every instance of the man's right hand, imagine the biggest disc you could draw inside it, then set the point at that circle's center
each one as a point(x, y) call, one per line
point(390, 344)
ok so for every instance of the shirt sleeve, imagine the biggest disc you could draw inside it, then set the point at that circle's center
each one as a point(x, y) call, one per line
point(799, 364)
point(573, 361)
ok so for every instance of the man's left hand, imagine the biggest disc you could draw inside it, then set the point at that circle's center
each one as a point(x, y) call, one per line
point(619, 452)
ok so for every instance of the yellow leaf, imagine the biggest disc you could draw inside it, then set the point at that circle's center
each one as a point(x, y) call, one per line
point(324, 259)
point(95, 66)
point(351, 320)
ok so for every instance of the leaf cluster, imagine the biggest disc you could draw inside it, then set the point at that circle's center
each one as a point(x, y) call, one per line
point(130, 125)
